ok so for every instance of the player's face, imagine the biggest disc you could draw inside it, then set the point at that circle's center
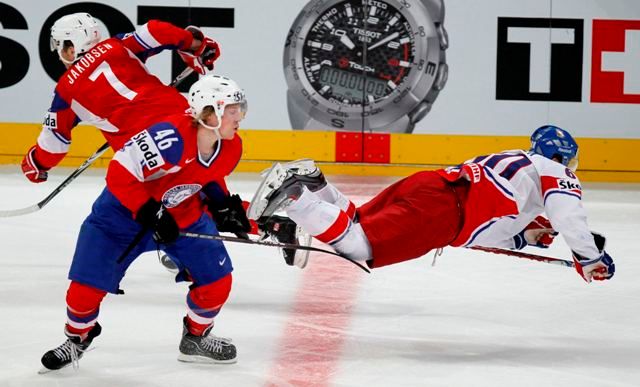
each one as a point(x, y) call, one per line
point(68, 54)
point(573, 163)
point(231, 118)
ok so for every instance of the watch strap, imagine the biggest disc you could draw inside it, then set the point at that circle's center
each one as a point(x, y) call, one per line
point(436, 9)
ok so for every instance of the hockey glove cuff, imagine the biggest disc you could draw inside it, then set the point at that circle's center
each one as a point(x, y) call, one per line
point(203, 58)
point(230, 216)
point(31, 169)
point(599, 269)
point(538, 233)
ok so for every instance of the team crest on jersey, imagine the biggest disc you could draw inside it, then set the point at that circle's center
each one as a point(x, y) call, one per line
point(51, 121)
point(147, 150)
point(176, 195)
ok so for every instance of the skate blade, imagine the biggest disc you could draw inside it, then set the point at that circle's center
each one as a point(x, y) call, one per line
point(44, 370)
point(203, 359)
point(273, 179)
point(300, 166)
point(301, 257)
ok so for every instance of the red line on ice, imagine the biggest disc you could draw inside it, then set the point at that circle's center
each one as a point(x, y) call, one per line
point(310, 349)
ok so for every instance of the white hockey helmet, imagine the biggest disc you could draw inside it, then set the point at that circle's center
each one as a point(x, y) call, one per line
point(79, 28)
point(218, 92)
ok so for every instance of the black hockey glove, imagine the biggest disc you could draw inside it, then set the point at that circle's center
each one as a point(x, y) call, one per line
point(154, 216)
point(230, 216)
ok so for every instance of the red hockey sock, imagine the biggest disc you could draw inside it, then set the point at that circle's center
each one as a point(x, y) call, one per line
point(195, 328)
point(204, 302)
point(83, 307)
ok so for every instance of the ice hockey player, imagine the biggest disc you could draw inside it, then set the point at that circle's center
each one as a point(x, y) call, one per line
point(493, 201)
point(107, 85)
point(159, 184)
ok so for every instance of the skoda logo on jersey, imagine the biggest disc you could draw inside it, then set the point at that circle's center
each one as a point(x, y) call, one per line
point(178, 194)
point(50, 121)
point(149, 152)
point(566, 184)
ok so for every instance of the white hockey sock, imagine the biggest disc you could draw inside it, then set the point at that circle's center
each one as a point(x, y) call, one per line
point(354, 244)
point(329, 224)
point(312, 213)
point(331, 194)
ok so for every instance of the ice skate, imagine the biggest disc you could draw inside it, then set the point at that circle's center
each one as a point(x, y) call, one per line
point(70, 352)
point(281, 184)
point(300, 166)
point(272, 179)
point(207, 348)
point(284, 230)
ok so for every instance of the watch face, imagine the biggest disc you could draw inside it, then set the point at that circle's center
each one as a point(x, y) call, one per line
point(363, 64)
point(355, 52)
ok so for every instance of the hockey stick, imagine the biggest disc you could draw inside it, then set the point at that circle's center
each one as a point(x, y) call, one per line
point(180, 77)
point(56, 191)
point(225, 238)
point(33, 208)
point(533, 257)
point(132, 245)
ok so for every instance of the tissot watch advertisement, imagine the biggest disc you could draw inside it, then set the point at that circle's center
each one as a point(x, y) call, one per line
point(375, 66)
point(371, 65)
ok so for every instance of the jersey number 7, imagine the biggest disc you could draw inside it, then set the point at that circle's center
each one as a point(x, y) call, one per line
point(116, 84)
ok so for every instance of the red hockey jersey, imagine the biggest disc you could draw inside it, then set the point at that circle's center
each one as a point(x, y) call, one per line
point(109, 87)
point(162, 162)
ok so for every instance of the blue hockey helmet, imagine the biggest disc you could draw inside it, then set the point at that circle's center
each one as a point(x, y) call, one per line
point(553, 142)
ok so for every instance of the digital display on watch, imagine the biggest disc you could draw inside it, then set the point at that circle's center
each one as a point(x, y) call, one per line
point(347, 85)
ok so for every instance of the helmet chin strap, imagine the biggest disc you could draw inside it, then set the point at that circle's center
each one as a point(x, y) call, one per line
point(216, 129)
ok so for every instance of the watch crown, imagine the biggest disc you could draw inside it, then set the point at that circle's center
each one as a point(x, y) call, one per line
point(419, 112)
point(443, 37)
point(441, 77)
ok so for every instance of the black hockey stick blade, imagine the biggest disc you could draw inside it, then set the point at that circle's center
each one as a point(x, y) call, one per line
point(519, 254)
point(56, 191)
point(225, 238)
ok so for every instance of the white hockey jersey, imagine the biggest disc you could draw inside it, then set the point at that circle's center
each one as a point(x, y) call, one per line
point(509, 189)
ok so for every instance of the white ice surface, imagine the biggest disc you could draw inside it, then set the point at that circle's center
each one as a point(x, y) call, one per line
point(475, 319)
